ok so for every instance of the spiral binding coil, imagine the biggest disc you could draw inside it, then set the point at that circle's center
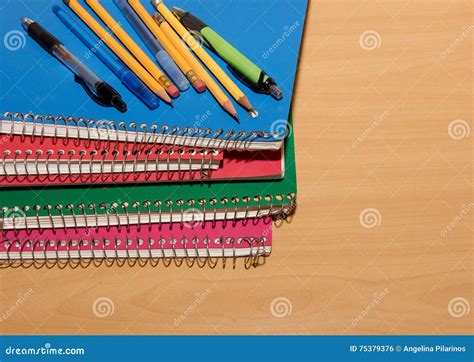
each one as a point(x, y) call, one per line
point(93, 163)
point(138, 134)
point(59, 216)
point(84, 252)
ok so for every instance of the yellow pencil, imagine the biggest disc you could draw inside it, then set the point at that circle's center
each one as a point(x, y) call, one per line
point(121, 53)
point(134, 49)
point(185, 67)
point(225, 80)
point(211, 84)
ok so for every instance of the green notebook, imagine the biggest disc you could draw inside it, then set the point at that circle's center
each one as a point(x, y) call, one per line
point(149, 203)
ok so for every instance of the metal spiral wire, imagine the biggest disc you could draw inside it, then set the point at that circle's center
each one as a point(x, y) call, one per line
point(40, 253)
point(108, 131)
point(125, 214)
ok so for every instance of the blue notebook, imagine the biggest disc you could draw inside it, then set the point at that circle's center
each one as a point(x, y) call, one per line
point(38, 96)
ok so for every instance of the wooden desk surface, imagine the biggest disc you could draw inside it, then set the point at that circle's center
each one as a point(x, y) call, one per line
point(380, 85)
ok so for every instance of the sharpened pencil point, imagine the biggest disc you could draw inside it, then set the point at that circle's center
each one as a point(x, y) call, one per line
point(253, 113)
point(229, 108)
point(244, 102)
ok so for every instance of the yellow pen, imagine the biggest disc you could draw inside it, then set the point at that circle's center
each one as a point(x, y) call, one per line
point(136, 51)
point(119, 51)
point(185, 67)
point(211, 84)
point(231, 87)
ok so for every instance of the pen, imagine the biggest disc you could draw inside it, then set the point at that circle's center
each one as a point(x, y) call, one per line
point(161, 56)
point(210, 83)
point(223, 78)
point(124, 55)
point(98, 90)
point(239, 64)
point(133, 48)
point(127, 77)
point(186, 67)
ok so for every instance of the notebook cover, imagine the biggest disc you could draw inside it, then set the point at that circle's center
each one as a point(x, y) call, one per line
point(34, 82)
point(205, 234)
point(235, 166)
point(235, 191)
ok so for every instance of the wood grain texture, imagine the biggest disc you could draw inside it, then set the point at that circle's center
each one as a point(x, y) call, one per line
point(371, 129)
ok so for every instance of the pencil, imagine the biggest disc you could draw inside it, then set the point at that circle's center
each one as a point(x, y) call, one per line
point(213, 87)
point(136, 51)
point(225, 80)
point(119, 51)
point(185, 67)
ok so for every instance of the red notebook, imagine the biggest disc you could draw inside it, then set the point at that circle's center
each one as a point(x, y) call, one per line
point(80, 162)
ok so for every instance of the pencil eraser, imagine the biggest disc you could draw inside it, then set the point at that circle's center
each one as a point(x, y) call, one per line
point(199, 86)
point(173, 91)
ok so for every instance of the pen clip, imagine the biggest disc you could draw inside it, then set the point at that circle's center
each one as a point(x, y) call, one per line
point(99, 100)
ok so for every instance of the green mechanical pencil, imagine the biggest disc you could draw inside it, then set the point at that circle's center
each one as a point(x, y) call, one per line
point(239, 64)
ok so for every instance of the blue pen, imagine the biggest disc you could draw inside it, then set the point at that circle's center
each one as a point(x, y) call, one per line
point(126, 76)
point(162, 57)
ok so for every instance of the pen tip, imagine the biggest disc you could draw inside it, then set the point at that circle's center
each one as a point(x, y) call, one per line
point(275, 92)
point(26, 21)
point(118, 103)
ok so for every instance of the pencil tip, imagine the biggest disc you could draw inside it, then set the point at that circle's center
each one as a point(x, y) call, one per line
point(229, 108)
point(253, 113)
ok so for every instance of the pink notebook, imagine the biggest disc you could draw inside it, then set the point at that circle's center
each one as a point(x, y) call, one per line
point(235, 238)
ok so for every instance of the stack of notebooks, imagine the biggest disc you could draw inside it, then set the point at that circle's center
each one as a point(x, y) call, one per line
point(173, 144)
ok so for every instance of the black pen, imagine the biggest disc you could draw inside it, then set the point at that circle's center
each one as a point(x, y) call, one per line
point(98, 90)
